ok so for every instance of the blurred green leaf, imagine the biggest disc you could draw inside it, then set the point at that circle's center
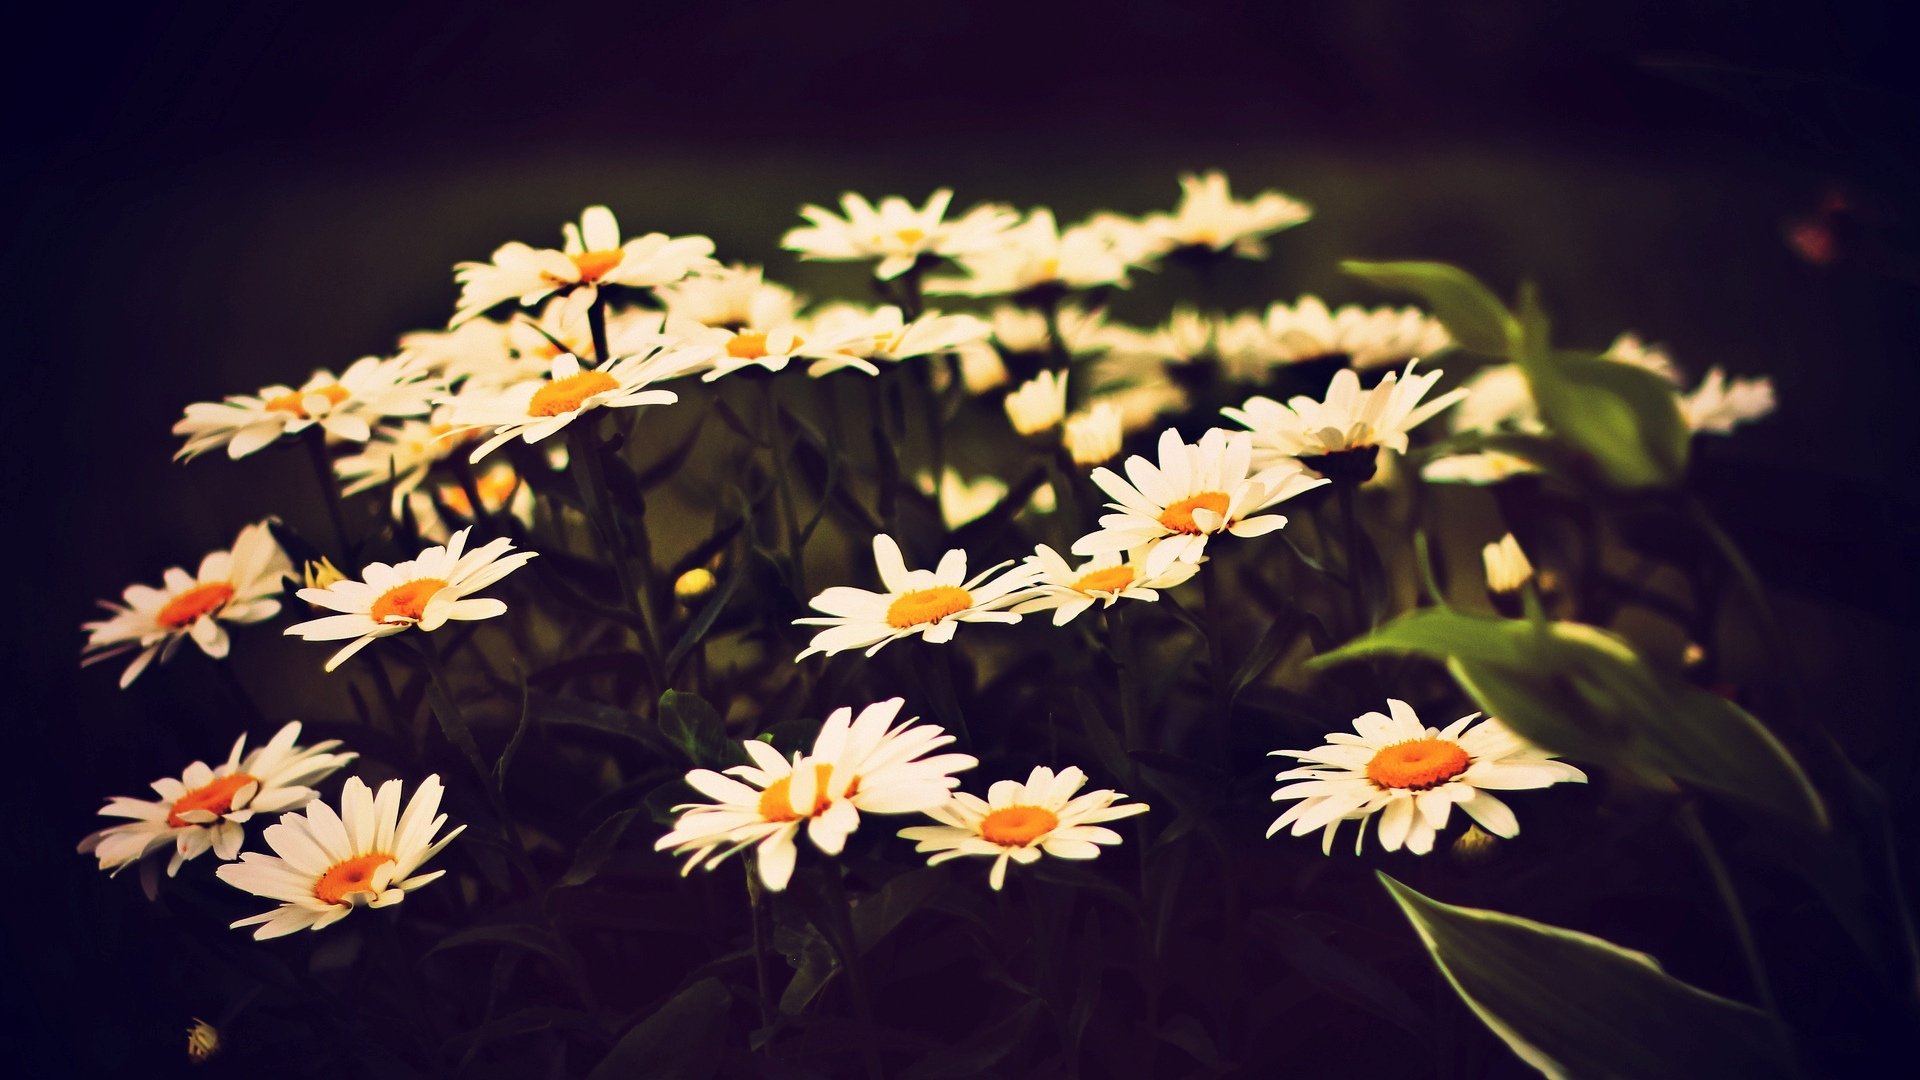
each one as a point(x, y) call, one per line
point(1472, 313)
point(1571, 1004)
point(982, 1050)
point(695, 728)
point(681, 1041)
point(710, 608)
point(598, 845)
point(532, 938)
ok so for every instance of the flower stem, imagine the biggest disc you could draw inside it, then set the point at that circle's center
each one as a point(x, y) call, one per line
point(783, 486)
point(329, 490)
point(1216, 639)
point(584, 450)
point(756, 913)
point(846, 943)
point(1350, 533)
point(1120, 642)
point(1696, 831)
point(597, 327)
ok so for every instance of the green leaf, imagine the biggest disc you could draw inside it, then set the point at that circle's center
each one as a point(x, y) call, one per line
point(1585, 693)
point(710, 608)
point(1472, 314)
point(695, 728)
point(534, 939)
point(1571, 1004)
point(681, 1041)
point(597, 847)
point(880, 914)
point(979, 1052)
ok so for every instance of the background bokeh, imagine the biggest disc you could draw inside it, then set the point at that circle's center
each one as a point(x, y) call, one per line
point(210, 197)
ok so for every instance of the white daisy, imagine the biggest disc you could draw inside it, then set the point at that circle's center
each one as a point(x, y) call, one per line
point(593, 255)
point(1022, 330)
point(1341, 435)
point(1499, 397)
point(894, 232)
point(929, 603)
point(1037, 255)
point(730, 297)
point(1185, 338)
point(857, 765)
point(1039, 404)
point(1209, 218)
point(326, 864)
point(1197, 491)
point(1718, 404)
point(1092, 436)
point(370, 390)
point(1413, 775)
point(425, 591)
point(207, 808)
point(884, 336)
point(1103, 579)
point(1353, 335)
point(1018, 822)
point(539, 408)
point(1483, 467)
point(403, 453)
point(241, 585)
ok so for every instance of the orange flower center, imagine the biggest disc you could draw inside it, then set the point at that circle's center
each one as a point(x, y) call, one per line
point(495, 488)
point(296, 402)
point(593, 265)
point(910, 236)
point(186, 608)
point(1417, 764)
point(927, 605)
point(747, 346)
point(407, 601)
point(568, 394)
point(215, 798)
point(1017, 826)
point(1179, 516)
point(1112, 579)
point(776, 802)
point(342, 879)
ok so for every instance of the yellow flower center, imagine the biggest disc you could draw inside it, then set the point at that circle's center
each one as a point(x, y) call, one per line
point(776, 802)
point(352, 876)
point(186, 608)
point(1179, 516)
point(568, 394)
point(1112, 579)
point(406, 601)
point(748, 346)
point(593, 265)
point(1417, 764)
point(1049, 269)
point(927, 605)
point(910, 236)
point(215, 798)
point(295, 402)
point(1017, 826)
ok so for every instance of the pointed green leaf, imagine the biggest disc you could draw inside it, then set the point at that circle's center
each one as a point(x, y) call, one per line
point(682, 1041)
point(695, 727)
point(1472, 314)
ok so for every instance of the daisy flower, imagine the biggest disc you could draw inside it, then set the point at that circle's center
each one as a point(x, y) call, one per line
point(1103, 579)
point(208, 808)
point(1483, 467)
point(731, 297)
point(425, 591)
point(1039, 404)
point(1412, 776)
point(1186, 338)
point(403, 453)
point(857, 765)
point(1718, 404)
point(325, 864)
point(1364, 338)
point(1017, 822)
point(1092, 436)
point(539, 408)
point(894, 232)
point(929, 603)
point(1341, 436)
point(1209, 218)
point(1198, 491)
point(241, 585)
point(1020, 330)
point(592, 256)
point(884, 336)
point(1036, 255)
point(828, 346)
point(1499, 398)
point(345, 408)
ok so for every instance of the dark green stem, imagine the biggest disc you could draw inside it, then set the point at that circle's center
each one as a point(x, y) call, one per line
point(1212, 615)
point(757, 912)
point(584, 450)
point(1736, 912)
point(597, 327)
point(329, 488)
point(1350, 530)
point(783, 486)
point(848, 946)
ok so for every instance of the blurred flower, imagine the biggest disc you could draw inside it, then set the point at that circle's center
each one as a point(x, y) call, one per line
point(1508, 567)
point(1037, 255)
point(1718, 404)
point(981, 368)
point(1412, 776)
point(1209, 218)
point(1187, 337)
point(1017, 822)
point(1039, 404)
point(1351, 421)
point(883, 336)
point(1103, 579)
point(1093, 434)
point(1629, 349)
point(730, 297)
point(1198, 491)
point(207, 808)
point(402, 453)
point(1475, 846)
point(1499, 397)
point(320, 573)
point(1484, 467)
point(592, 256)
point(857, 765)
point(1020, 330)
point(772, 349)
point(895, 233)
point(371, 389)
point(929, 603)
point(963, 500)
point(1361, 337)
point(203, 1041)
point(534, 410)
point(330, 863)
point(694, 584)
point(425, 591)
point(500, 489)
point(237, 586)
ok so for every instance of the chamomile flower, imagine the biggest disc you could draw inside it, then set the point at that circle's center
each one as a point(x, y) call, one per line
point(403, 453)
point(1039, 404)
point(1719, 404)
point(593, 255)
point(371, 389)
point(534, 410)
point(929, 603)
point(1352, 335)
point(1341, 435)
point(1197, 491)
point(884, 336)
point(1209, 218)
point(1068, 591)
point(241, 585)
point(1019, 822)
point(425, 591)
point(1037, 256)
point(894, 232)
point(857, 765)
point(207, 807)
point(731, 298)
point(1021, 330)
point(1412, 776)
point(1186, 337)
point(326, 864)
point(1482, 467)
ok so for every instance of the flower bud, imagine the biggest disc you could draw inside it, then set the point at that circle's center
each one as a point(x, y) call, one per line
point(1039, 404)
point(203, 1041)
point(1093, 435)
point(320, 574)
point(693, 584)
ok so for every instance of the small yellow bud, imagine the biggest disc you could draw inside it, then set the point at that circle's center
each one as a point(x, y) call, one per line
point(319, 575)
point(203, 1041)
point(1476, 845)
point(693, 584)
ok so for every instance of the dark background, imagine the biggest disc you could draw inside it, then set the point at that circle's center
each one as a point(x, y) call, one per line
point(220, 195)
